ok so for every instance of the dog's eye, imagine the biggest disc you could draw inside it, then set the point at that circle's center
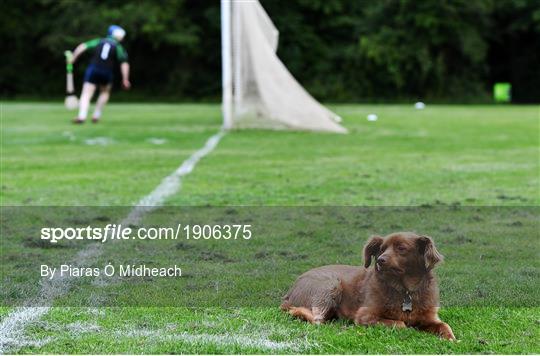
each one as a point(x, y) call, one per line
point(401, 248)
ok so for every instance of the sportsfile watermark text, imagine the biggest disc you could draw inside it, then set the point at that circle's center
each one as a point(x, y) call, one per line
point(120, 232)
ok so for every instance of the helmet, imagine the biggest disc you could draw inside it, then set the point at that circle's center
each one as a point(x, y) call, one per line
point(116, 32)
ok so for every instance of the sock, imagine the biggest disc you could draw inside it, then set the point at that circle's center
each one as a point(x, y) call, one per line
point(83, 109)
point(97, 113)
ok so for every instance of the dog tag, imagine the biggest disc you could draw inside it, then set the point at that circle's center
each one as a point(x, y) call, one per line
point(407, 303)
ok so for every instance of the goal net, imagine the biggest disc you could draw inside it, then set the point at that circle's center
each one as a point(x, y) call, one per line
point(258, 90)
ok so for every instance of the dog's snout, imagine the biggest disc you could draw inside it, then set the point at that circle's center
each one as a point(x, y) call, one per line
point(382, 260)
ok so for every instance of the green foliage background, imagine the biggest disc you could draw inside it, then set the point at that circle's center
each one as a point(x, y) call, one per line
point(340, 50)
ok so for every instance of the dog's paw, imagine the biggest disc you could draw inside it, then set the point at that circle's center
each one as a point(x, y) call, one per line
point(445, 332)
point(449, 337)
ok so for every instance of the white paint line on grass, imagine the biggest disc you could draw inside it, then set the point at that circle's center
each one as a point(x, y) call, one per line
point(247, 341)
point(31, 342)
point(12, 326)
point(99, 141)
point(171, 184)
point(69, 135)
point(77, 328)
point(157, 141)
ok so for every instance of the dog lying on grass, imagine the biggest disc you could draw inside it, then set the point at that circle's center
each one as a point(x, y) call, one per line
point(399, 291)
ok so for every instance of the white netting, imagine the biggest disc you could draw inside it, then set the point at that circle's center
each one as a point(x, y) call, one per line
point(265, 94)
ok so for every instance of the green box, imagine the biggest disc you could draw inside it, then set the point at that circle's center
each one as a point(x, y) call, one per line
point(502, 92)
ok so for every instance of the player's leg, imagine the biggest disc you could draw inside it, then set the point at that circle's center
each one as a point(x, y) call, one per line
point(88, 90)
point(84, 103)
point(103, 98)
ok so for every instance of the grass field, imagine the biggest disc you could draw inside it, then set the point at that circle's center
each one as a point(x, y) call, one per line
point(480, 164)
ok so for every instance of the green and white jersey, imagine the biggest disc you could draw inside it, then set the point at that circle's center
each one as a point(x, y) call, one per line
point(107, 51)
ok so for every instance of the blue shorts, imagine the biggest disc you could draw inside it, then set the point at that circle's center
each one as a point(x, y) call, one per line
point(98, 76)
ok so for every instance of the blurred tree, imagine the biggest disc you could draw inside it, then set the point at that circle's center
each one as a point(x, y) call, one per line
point(341, 50)
point(432, 49)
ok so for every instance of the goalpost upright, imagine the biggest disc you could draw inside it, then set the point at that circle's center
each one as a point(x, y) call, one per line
point(226, 62)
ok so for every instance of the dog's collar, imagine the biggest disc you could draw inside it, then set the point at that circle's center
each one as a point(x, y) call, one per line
point(407, 302)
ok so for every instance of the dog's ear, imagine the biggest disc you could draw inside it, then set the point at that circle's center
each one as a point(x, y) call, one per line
point(431, 255)
point(372, 249)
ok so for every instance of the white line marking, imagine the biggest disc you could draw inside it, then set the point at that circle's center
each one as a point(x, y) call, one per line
point(254, 341)
point(157, 141)
point(77, 328)
point(171, 184)
point(12, 325)
point(99, 141)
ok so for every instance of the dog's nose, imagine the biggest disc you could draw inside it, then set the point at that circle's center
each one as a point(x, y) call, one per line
point(381, 260)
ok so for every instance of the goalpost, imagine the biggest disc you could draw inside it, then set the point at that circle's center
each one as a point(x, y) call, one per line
point(258, 90)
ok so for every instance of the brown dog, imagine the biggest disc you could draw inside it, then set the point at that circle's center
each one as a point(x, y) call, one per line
point(399, 291)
